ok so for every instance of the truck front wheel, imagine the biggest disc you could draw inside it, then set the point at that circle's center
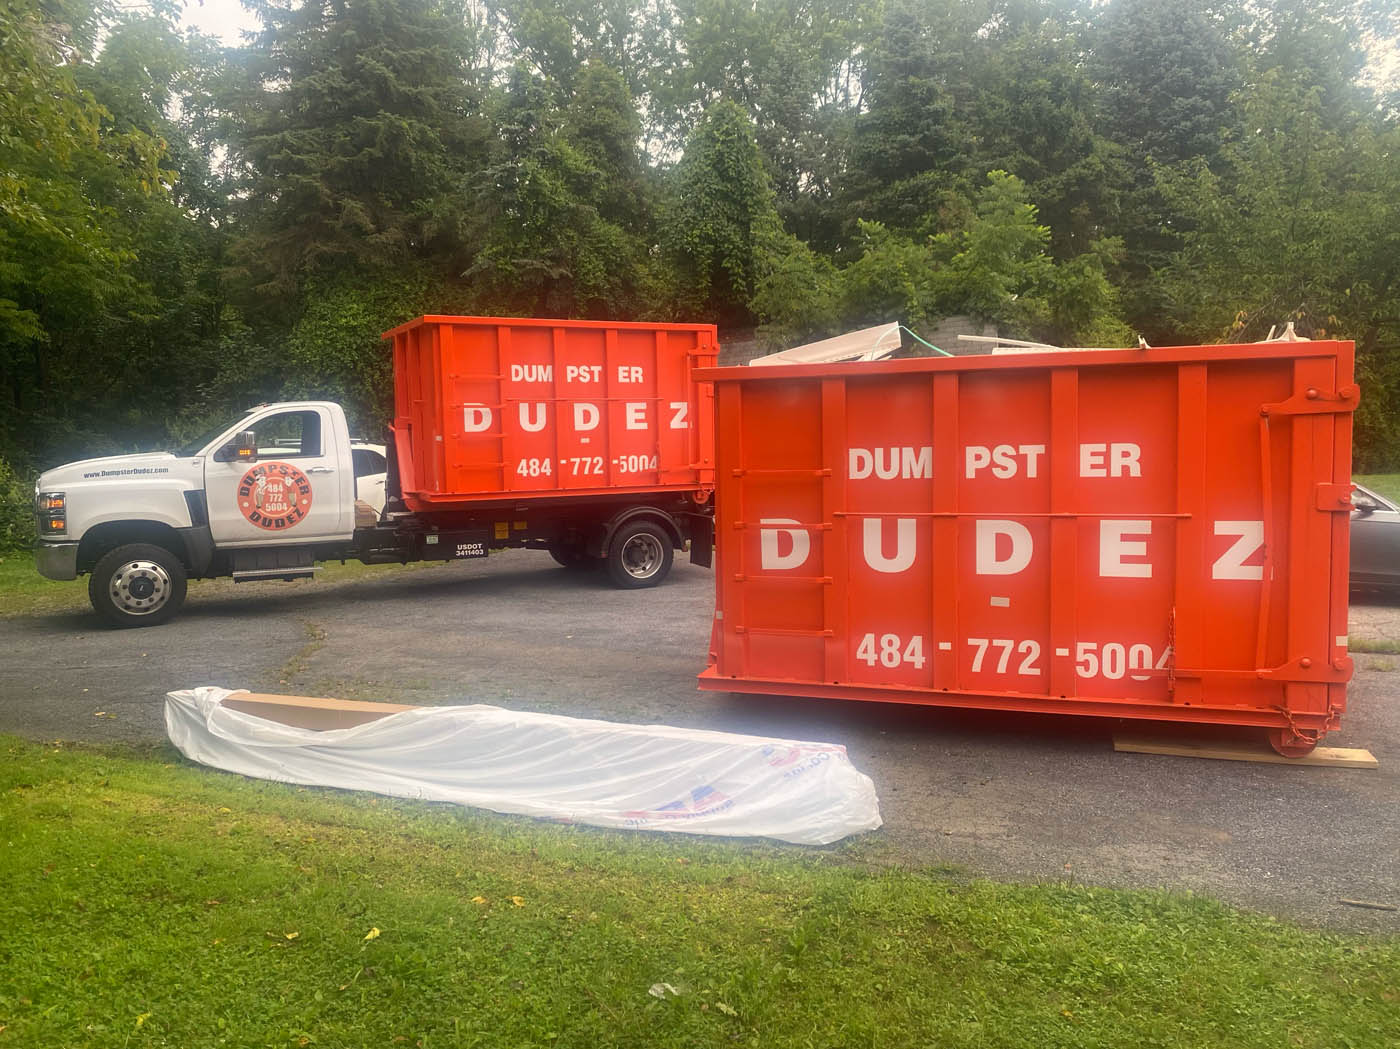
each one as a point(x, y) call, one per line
point(139, 584)
point(639, 555)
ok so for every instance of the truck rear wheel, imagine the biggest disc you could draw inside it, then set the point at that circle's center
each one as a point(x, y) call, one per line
point(640, 555)
point(139, 584)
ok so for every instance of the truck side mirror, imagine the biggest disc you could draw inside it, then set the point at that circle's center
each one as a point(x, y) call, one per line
point(242, 449)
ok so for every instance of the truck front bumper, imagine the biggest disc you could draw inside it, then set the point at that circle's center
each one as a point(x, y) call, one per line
point(56, 560)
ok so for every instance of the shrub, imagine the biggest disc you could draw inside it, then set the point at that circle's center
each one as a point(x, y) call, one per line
point(16, 509)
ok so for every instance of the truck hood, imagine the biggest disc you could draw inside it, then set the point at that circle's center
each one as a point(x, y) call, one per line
point(108, 468)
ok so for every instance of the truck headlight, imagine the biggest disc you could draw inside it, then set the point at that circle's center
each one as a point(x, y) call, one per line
point(52, 508)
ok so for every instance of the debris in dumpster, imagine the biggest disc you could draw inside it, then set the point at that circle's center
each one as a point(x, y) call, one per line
point(637, 777)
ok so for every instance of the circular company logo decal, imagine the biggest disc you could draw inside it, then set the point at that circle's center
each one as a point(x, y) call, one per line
point(274, 495)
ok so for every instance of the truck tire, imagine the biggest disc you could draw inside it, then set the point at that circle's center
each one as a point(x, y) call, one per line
point(138, 584)
point(639, 555)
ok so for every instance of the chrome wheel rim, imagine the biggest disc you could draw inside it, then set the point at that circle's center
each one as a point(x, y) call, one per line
point(140, 587)
point(642, 556)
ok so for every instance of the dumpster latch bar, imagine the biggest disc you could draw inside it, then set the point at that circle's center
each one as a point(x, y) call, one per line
point(1313, 401)
point(1334, 498)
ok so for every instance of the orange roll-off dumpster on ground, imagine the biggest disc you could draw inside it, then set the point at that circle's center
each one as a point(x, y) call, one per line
point(1157, 534)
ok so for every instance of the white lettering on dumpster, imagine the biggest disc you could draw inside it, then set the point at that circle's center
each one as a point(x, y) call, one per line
point(1002, 459)
point(1231, 564)
point(905, 545)
point(583, 373)
point(532, 373)
point(476, 418)
point(769, 537)
point(1005, 547)
point(1110, 460)
point(1119, 459)
point(1016, 560)
point(1113, 547)
point(585, 416)
point(534, 416)
point(889, 463)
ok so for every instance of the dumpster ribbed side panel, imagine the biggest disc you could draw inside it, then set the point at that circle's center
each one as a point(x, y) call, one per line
point(490, 407)
point(1157, 534)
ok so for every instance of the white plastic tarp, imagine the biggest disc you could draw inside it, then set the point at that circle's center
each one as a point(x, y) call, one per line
point(642, 777)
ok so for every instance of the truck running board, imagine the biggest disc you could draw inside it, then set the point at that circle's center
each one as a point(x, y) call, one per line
point(301, 572)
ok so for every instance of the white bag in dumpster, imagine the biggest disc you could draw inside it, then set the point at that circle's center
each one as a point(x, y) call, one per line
point(643, 777)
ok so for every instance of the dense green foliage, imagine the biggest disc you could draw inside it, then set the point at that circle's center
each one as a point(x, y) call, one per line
point(16, 510)
point(187, 228)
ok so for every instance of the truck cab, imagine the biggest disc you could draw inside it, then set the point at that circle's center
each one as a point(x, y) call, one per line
point(280, 478)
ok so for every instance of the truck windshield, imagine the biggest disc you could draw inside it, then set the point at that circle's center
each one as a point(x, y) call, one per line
point(198, 444)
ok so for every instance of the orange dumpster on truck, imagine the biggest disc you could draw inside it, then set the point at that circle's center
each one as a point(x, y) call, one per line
point(485, 407)
point(592, 439)
point(1156, 533)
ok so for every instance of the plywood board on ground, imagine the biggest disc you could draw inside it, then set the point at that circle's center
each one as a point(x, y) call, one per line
point(1335, 757)
point(313, 712)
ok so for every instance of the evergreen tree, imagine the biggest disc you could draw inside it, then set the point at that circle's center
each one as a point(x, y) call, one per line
point(559, 213)
point(354, 126)
point(724, 206)
point(1165, 75)
point(909, 150)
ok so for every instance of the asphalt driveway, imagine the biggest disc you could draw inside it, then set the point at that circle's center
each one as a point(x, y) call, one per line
point(1034, 798)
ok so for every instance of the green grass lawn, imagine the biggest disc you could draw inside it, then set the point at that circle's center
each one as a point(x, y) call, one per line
point(1387, 485)
point(149, 902)
point(23, 591)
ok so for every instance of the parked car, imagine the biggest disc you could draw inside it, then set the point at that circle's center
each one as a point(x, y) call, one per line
point(370, 472)
point(371, 467)
point(1375, 540)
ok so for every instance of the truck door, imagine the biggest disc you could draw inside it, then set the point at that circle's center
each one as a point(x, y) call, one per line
point(292, 493)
